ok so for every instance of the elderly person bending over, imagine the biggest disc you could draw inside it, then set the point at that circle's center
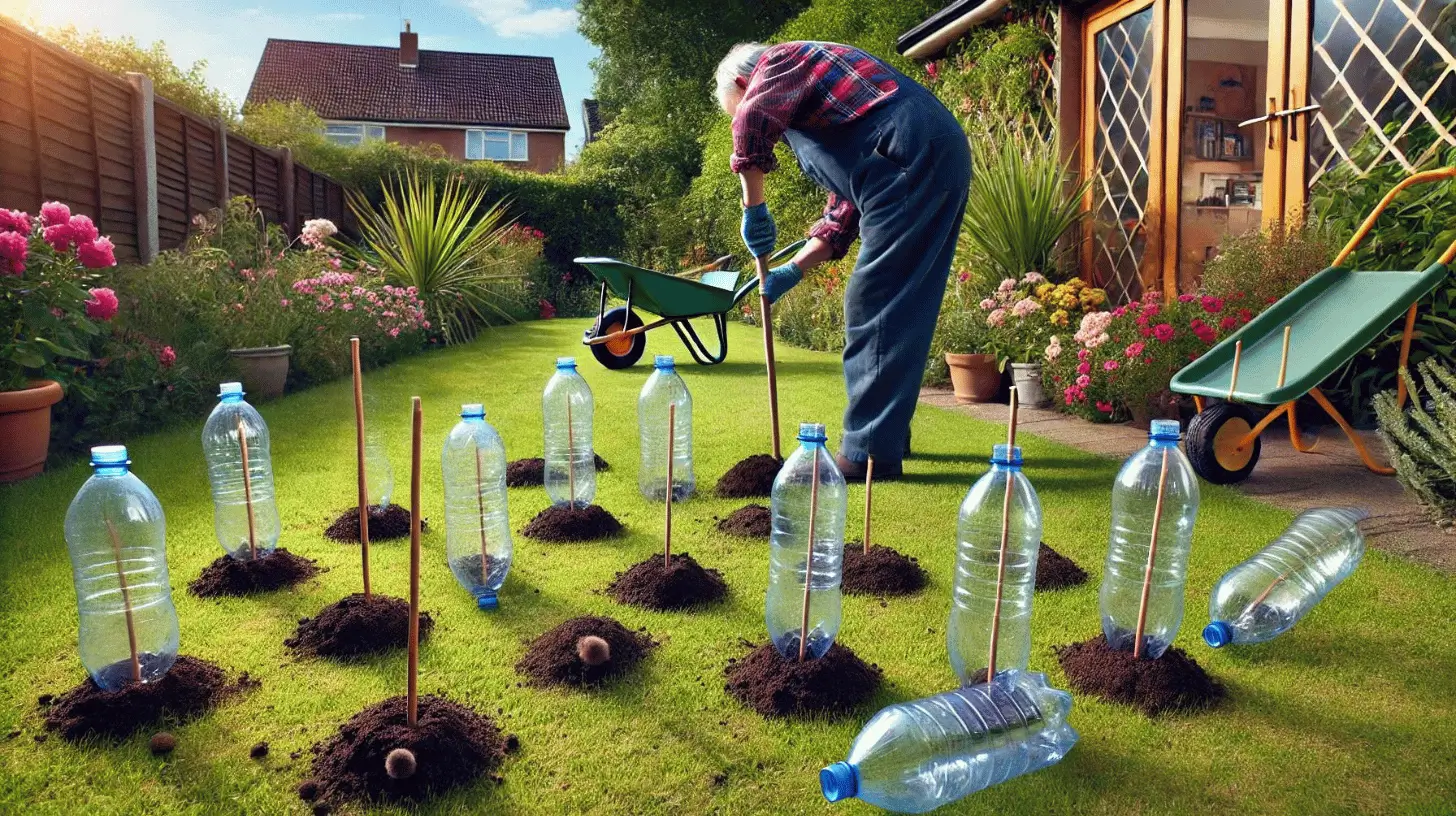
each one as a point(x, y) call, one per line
point(897, 169)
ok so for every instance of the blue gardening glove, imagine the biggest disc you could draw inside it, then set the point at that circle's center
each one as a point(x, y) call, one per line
point(781, 279)
point(759, 232)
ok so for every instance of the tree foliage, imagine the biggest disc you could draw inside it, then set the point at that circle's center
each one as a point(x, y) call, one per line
point(1421, 440)
point(121, 55)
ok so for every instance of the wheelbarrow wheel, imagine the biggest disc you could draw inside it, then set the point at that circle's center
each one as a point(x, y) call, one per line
point(623, 352)
point(1213, 441)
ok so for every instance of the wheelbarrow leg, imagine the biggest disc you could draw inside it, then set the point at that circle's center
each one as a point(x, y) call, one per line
point(1405, 344)
point(1375, 467)
point(695, 345)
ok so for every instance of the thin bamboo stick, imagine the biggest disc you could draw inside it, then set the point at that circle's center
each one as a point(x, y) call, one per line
point(480, 504)
point(359, 451)
point(412, 692)
point(248, 492)
point(869, 499)
point(1142, 619)
point(570, 455)
point(1284, 356)
point(1005, 540)
point(671, 436)
point(761, 263)
point(131, 640)
point(1234, 378)
point(809, 557)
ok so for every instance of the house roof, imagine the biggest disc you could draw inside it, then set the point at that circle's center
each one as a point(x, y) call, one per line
point(591, 115)
point(366, 83)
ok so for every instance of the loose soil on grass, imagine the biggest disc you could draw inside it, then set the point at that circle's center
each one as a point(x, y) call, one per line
point(354, 627)
point(775, 686)
point(1173, 682)
point(752, 477)
point(192, 687)
point(553, 659)
point(882, 572)
point(451, 743)
point(652, 585)
point(1056, 571)
point(753, 521)
point(532, 472)
point(384, 525)
point(229, 576)
point(563, 523)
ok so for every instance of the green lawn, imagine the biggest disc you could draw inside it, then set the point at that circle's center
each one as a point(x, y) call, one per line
point(1351, 712)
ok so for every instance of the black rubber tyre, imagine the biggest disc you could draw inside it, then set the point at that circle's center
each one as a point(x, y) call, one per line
point(622, 353)
point(1210, 443)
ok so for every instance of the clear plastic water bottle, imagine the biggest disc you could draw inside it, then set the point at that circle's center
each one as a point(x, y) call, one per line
point(477, 526)
point(665, 388)
point(789, 548)
point(117, 538)
point(914, 757)
point(978, 559)
point(1134, 498)
point(570, 462)
point(378, 473)
point(244, 513)
point(1266, 595)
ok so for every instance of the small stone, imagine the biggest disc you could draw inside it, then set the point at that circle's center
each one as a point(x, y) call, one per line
point(163, 743)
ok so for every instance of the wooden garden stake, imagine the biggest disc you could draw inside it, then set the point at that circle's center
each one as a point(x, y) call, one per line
point(480, 503)
point(761, 263)
point(248, 492)
point(136, 663)
point(1234, 378)
point(1005, 538)
point(809, 557)
point(869, 492)
point(1142, 619)
point(570, 455)
point(359, 451)
point(671, 437)
point(413, 699)
point(1284, 356)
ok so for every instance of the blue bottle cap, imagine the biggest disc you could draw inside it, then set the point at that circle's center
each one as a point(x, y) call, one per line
point(663, 361)
point(1002, 455)
point(109, 455)
point(487, 603)
point(472, 410)
point(812, 432)
point(228, 389)
point(1218, 634)
point(839, 781)
point(565, 363)
point(1164, 430)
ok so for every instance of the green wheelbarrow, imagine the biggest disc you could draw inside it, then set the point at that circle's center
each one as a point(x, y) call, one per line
point(1289, 349)
point(618, 336)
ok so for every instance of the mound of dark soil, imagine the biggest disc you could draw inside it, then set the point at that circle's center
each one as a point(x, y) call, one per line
point(776, 686)
point(564, 523)
point(452, 746)
point(229, 576)
point(882, 572)
point(189, 689)
point(385, 524)
point(753, 521)
point(554, 659)
point(1056, 571)
point(355, 626)
point(532, 472)
point(1173, 682)
point(683, 583)
point(753, 476)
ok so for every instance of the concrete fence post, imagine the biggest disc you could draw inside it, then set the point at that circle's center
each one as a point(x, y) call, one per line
point(220, 164)
point(286, 191)
point(144, 164)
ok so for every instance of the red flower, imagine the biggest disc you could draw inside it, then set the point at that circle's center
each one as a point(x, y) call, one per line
point(96, 254)
point(54, 213)
point(82, 230)
point(102, 305)
point(59, 236)
point(932, 69)
point(1245, 315)
point(167, 357)
point(14, 221)
point(13, 249)
point(1163, 332)
point(547, 310)
point(1212, 305)
point(1104, 407)
point(1228, 323)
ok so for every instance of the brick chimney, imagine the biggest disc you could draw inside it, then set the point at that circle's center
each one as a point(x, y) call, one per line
point(409, 47)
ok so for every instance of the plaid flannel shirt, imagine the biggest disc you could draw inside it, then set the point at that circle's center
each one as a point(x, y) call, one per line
point(807, 86)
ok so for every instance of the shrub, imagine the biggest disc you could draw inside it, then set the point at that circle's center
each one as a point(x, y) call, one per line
point(1258, 268)
point(1023, 316)
point(811, 315)
point(1422, 445)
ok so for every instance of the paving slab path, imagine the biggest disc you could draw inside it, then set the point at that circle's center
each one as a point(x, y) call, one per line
point(1329, 476)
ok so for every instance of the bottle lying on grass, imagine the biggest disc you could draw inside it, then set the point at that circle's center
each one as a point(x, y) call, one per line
point(244, 512)
point(1266, 595)
point(477, 525)
point(566, 408)
point(117, 538)
point(789, 548)
point(664, 390)
point(914, 757)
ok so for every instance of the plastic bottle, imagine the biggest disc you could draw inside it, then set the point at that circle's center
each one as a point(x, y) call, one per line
point(242, 536)
point(477, 525)
point(1266, 595)
point(978, 558)
point(914, 757)
point(566, 408)
point(665, 388)
point(789, 546)
point(117, 538)
point(378, 473)
point(1134, 496)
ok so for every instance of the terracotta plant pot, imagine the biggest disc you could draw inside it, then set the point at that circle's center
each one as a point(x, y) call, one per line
point(264, 370)
point(25, 425)
point(973, 376)
point(1027, 379)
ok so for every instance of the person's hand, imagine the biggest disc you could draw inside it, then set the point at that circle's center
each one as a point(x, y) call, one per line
point(759, 233)
point(781, 279)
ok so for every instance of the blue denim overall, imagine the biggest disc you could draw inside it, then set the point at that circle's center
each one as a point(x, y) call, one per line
point(906, 166)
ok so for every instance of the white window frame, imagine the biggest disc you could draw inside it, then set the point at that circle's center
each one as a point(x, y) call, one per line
point(478, 142)
point(353, 134)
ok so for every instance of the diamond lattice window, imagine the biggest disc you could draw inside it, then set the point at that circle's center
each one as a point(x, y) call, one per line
point(1124, 128)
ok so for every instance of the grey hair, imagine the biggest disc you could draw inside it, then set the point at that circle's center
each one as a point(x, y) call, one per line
point(740, 62)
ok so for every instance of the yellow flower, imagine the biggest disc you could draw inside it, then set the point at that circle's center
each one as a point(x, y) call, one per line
point(1077, 284)
point(1069, 302)
point(1042, 290)
point(1060, 317)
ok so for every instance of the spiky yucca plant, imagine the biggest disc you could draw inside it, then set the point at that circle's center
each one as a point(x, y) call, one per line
point(1422, 446)
point(440, 240)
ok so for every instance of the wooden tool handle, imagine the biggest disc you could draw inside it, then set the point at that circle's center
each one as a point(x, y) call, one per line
point(1142, 618)
point(248, 491)
point(412, 691)
point(359, 451)
point(761, 264)
point(131, 639)
point(809, 557)
point(671, 437)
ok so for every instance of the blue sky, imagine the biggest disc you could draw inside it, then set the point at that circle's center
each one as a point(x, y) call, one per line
point(229, 34)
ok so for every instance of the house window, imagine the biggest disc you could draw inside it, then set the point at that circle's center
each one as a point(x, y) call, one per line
point(351, 135)
point(496, 145)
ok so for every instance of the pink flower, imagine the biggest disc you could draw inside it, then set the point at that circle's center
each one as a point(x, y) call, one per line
point(13, 248)
point(1084, 368)
point(1024, 307)
point(82, 230)
point(1084, 381)
point(1008, 285)
point(996, 318)
point(988, 304)
point(284, 302)
point(933, 70)
point(54, 213)
point(59, 236)
point(1185, 298)
point(1083, 354)
point(1104, 407)
point(1228, 323)
point(1163, 332)
point(97, 254)
point(548, 310)
point(1034, 278)
point(14, 221)
point(102, 304)
point(1245, 315)
point(167, 357)
point(1110, 365)
point(1212, 305)
point(1134, 350)
point(394, 332)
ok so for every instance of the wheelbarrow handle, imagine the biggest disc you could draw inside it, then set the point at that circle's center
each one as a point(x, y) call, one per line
point(1422, 177)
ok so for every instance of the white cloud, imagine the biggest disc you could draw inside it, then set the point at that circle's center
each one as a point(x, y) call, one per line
point(520, 18)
